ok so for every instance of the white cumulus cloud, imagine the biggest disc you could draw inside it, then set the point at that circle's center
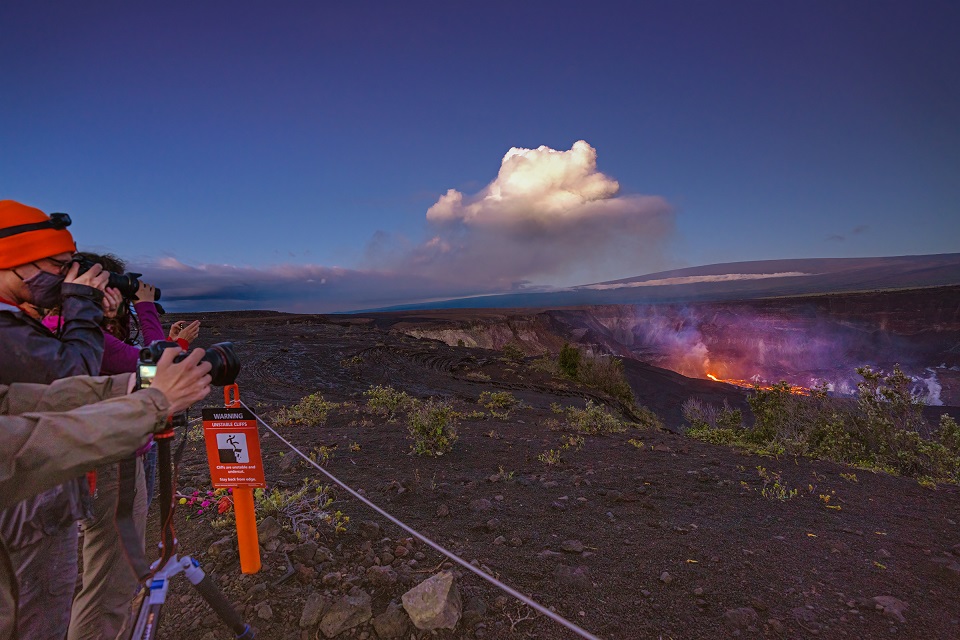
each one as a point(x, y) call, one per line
point(548, 214)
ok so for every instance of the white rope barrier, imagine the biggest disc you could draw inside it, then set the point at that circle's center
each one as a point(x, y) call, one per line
point(463, 563)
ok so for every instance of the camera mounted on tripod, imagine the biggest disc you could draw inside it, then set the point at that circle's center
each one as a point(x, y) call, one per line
point(224, 363)
point(127, 283)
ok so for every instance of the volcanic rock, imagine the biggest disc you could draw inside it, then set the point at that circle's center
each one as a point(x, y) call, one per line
point(370, 530)
point(256, 590)
point(434, 603)
point(891, 607)
point(392, 623)
point(220, 545)
point(332, 579)
point(346, 613)
point(474, 611)
point(381, 576)
point(576, 577)
point(948, 567)
point(264, 612)
point(741, 618)
point(268, 528)
point(572, 546)
point(305, 552)
point(480, 504)
point(313, 610)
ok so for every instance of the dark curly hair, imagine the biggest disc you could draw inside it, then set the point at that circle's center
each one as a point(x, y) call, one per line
point(118, 327)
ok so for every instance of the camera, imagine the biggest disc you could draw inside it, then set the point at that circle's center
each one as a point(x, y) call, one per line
point(126, 283)
point(225, 365)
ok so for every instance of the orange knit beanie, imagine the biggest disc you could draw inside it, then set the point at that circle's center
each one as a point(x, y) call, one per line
point(29, 244)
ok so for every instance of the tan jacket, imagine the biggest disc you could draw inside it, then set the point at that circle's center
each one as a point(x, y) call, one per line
point(52, 433)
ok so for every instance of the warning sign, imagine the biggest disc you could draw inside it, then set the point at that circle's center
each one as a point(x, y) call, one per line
point(233, 448)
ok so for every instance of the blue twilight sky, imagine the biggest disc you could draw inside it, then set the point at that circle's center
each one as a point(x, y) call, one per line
point(285, 154)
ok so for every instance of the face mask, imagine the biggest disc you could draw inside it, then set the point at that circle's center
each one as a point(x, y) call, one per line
point(44, 289)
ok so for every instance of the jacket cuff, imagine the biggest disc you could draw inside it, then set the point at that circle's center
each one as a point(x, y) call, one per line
point(160, 404)
point(74, 290)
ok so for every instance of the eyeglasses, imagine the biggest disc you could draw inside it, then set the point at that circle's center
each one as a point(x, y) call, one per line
point(61, 265)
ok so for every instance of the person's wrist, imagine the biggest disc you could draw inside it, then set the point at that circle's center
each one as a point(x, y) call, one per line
point(78, 290)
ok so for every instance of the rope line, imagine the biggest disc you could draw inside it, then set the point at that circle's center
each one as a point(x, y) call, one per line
point(463, 563)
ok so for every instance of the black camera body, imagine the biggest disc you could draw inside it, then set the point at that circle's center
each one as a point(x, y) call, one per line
point(225, 365)
point(126, 283)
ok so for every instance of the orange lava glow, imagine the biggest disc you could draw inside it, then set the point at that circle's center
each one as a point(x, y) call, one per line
point(748, 384)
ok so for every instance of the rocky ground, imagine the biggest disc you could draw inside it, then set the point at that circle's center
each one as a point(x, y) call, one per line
point(661, 537)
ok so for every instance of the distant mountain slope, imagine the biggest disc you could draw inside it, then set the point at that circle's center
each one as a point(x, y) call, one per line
point(735, 280)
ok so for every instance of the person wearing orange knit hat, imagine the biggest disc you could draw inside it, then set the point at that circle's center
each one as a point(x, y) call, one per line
point(40, 532)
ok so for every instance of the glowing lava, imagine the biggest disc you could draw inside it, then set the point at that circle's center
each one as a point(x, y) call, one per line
point(748, 384)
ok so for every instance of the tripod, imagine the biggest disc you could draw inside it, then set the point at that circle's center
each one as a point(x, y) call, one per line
point(170, 564)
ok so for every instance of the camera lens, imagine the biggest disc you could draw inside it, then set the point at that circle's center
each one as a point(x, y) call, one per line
point(225, 365)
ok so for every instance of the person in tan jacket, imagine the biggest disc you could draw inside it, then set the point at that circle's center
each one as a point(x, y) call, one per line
point(51, 433)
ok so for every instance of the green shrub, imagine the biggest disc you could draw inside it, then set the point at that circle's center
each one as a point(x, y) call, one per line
point(499, 403)
point(881, 429)
point(513, 352)
point(387, 402)
point(713, 435)
point(311, 410)
point(547, 364)
point(569, 360)
point(593, 419)
point(949, 434)
point(432, 426)
point(606, 374)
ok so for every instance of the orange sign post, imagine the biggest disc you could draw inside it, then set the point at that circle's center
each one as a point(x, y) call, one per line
point(233, 452)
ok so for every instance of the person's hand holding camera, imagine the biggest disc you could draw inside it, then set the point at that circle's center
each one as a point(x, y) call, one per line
point(94, 277)
point(183, 383)
point(112, 300)
point(184, 331)
point(146, 292)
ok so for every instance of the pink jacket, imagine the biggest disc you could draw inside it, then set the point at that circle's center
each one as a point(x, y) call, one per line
point(118, 356)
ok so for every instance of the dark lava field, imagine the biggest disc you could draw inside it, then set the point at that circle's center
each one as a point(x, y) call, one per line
point(641, 534)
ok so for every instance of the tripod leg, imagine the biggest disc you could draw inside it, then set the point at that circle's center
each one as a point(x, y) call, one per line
point(148, 618)
point(221, 606)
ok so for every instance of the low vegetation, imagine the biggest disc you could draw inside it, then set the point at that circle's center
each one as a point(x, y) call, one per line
point(593, 419)
point(305, 511)
point(387, 402)
point(603, 373)
point(499, 403)
point(512, 352)
point(432, 426)
point(881, 429)
point(311, 410)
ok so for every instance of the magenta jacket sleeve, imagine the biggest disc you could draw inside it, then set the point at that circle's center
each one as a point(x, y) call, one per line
point(120, 357)
point(149, 322)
